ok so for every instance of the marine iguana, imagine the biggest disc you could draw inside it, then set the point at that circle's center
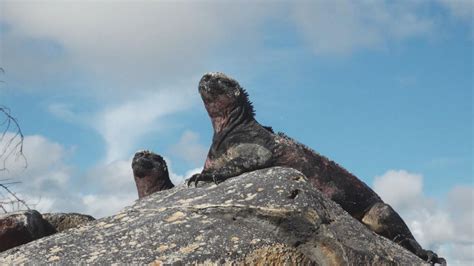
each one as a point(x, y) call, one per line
point(240, 144)
point(150, 173)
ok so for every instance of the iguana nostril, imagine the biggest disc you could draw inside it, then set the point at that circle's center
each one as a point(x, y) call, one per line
point(293, 194)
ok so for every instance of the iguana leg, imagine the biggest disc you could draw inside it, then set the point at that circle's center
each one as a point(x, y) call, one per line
point(204, 177)
point(383, 220)
point(232, 168)
point(245, 157)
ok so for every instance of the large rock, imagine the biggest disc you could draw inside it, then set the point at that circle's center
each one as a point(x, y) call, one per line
point(22, 227)
point(271, 216)
point(64, 221)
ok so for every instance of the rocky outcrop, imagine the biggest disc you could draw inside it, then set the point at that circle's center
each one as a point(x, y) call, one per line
point(22, 227)
point(270, 216)
point(64, 221)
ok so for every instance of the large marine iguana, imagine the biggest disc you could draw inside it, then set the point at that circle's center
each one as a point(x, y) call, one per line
point(240, 144)
point(150, 173)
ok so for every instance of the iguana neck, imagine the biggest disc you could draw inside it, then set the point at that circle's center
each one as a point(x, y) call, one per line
point(239, 116)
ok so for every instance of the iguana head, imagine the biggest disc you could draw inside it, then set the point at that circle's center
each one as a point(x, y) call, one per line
point(146, 163)
point(224, 99)
point(150, 173)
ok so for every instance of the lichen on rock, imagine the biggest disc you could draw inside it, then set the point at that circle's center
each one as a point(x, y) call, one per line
point(294, 224)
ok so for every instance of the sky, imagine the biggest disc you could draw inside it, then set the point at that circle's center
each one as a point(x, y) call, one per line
point(384, 88)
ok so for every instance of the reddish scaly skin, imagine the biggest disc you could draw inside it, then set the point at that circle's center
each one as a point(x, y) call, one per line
point(240, 144)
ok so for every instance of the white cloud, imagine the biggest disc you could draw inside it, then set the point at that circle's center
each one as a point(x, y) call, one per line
point(123, 46)
point(45, 170)
point(444, 226)
point(111, 49)
point(190, 149)
point(461, 204)
point(113, 178)
point(431, 228)
point(400, 189)
point(123, 125)
point(343, 26)
point(109, 188)
point(46, 175)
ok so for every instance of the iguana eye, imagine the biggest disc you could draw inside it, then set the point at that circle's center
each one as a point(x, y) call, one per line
point(237, 92)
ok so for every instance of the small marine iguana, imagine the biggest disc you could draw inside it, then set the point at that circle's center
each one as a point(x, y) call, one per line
point(150, 173)
point(240, 144)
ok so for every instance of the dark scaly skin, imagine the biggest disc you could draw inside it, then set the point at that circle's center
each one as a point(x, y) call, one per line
point(150, 173)
point(240, 144)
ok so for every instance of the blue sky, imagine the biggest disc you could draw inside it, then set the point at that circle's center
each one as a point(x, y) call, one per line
point(382, 87)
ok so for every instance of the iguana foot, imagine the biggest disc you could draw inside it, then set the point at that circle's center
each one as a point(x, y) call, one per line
point(205, 177)
point(441, 261)
point(426, 255)
point(432, 258)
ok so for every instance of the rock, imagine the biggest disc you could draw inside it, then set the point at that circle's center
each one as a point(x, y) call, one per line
point(64, 221)
point(22, 227)
point(269, 216)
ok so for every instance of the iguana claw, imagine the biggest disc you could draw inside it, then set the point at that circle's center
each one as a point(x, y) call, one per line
point(204, 177)
point(433, 258)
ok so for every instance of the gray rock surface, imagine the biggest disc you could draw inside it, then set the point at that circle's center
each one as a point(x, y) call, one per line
point(64, 221)
point(270, 216)
point(21, 227)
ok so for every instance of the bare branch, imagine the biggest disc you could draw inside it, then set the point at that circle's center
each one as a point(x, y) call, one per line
point(17, 199)
point(13, 146)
